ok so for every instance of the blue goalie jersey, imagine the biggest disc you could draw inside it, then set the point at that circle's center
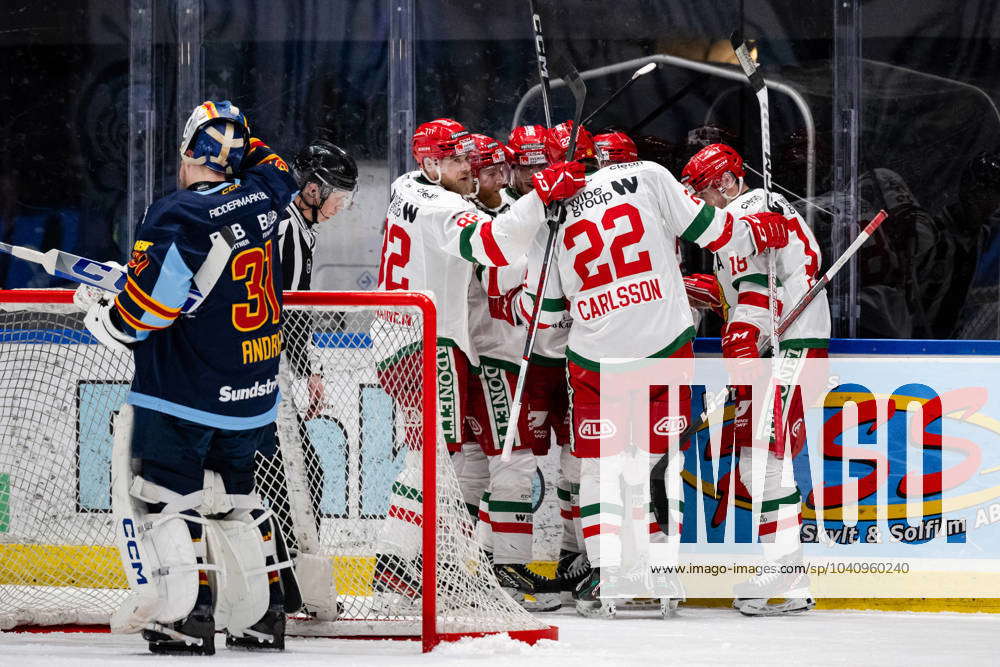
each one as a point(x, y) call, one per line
point(218, 365)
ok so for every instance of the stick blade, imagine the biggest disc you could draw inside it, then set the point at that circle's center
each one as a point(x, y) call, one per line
point(567, 72)
point(736, 38)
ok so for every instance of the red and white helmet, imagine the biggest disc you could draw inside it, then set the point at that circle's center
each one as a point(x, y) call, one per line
point(527, 145)
point(557, 142)
point(486, 152)
point(439, 139)
point(707, 167)
point(615, 147)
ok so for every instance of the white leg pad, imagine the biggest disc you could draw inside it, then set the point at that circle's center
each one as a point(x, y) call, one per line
point(319, 590)
point(240, 586)
point(157, 553)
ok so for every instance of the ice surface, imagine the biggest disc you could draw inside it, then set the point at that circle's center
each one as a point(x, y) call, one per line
point(694, 637)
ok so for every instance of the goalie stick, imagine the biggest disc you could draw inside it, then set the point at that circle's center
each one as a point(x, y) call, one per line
point(108, 277)
point(657, 483)
point(554, 215)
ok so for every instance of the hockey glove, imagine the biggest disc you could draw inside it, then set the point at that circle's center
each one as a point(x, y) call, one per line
point(502, 307)
point(559, 181)
point(704, 292)
point(740, 341)
point(769, 230)
point(739, 349)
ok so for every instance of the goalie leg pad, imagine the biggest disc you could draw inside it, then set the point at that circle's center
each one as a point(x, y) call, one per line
point(158, 555)
point(240, 550)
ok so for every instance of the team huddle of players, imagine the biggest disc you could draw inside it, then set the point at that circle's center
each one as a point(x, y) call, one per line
point(468, 225)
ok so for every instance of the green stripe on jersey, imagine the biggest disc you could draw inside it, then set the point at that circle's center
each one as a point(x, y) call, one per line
point(804, 344)
point(699, 224)
point(756, 279)
point(465, 242)
point(551, 305)
point(684, 337)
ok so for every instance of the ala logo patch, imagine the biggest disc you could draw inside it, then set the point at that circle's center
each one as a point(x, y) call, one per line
point(671, 425)
point(477, 428)
point(596, 428)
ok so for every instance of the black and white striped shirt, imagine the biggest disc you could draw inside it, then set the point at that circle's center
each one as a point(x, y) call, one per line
point(296, 242)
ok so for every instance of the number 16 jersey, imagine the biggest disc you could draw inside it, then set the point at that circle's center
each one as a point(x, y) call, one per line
point(618, 274)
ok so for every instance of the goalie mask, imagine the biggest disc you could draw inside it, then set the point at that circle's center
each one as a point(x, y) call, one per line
point(215, 136)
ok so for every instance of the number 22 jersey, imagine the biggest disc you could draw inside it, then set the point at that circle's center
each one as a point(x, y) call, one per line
point(618, 274)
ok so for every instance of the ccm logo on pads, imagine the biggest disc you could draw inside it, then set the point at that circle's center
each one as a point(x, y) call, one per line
point(596, 428)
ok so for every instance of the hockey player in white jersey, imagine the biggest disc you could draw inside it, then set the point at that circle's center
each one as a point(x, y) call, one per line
point(715, 174)
point(497, 491)
point(434, 239)
point(546, 389)
point(619, 279)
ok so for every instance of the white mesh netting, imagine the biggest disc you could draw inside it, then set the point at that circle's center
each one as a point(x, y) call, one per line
point(346, 483)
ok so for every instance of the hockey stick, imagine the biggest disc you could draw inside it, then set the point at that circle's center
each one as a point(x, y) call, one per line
point(642, 71)
point(576, 86)
point(760, 90)
point(543, 67)
point(657, 488)
point(108, 277)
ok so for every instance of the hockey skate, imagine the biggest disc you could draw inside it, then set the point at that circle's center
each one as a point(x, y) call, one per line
point(266, 634)
point(588, 597)
point(514, 580)
point(396, 584)
point(752, 597)
point(195, 635)
point(572, 568)
point(668, 586)
point(545, 593)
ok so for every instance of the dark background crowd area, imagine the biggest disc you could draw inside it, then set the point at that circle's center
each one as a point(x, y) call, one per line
point(928, 133)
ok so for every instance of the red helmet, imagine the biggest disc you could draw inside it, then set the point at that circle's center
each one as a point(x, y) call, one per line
point(440, 138)
point(527, 145)
point(615, 147)
point(557, 141)
point(709, 164)
point(486, 153)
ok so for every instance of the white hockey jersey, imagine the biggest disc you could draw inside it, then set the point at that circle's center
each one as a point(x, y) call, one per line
point(495, 340)
point(433, 240)
point(744, 279)
point(618, 273)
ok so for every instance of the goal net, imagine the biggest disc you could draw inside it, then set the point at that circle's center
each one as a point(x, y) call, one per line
point(360, 478)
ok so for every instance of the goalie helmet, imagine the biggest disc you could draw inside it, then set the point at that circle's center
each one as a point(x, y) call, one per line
point(708, 165)
point(527, 145)
point(615, 147)
point(215, 136)
point(557, 143)
point(328, 166)
point(439, 139)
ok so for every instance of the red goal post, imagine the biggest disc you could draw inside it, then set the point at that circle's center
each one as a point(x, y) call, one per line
point(58, 387)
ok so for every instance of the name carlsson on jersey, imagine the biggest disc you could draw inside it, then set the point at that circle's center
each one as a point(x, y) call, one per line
point(227, 393)
point(638, 290)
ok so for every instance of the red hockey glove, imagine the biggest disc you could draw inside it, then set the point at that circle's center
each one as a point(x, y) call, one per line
point(502, 307)
point(559, 181)
point(769, 230)
point(739, 349)
point(704, 292)
point(740, 341)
